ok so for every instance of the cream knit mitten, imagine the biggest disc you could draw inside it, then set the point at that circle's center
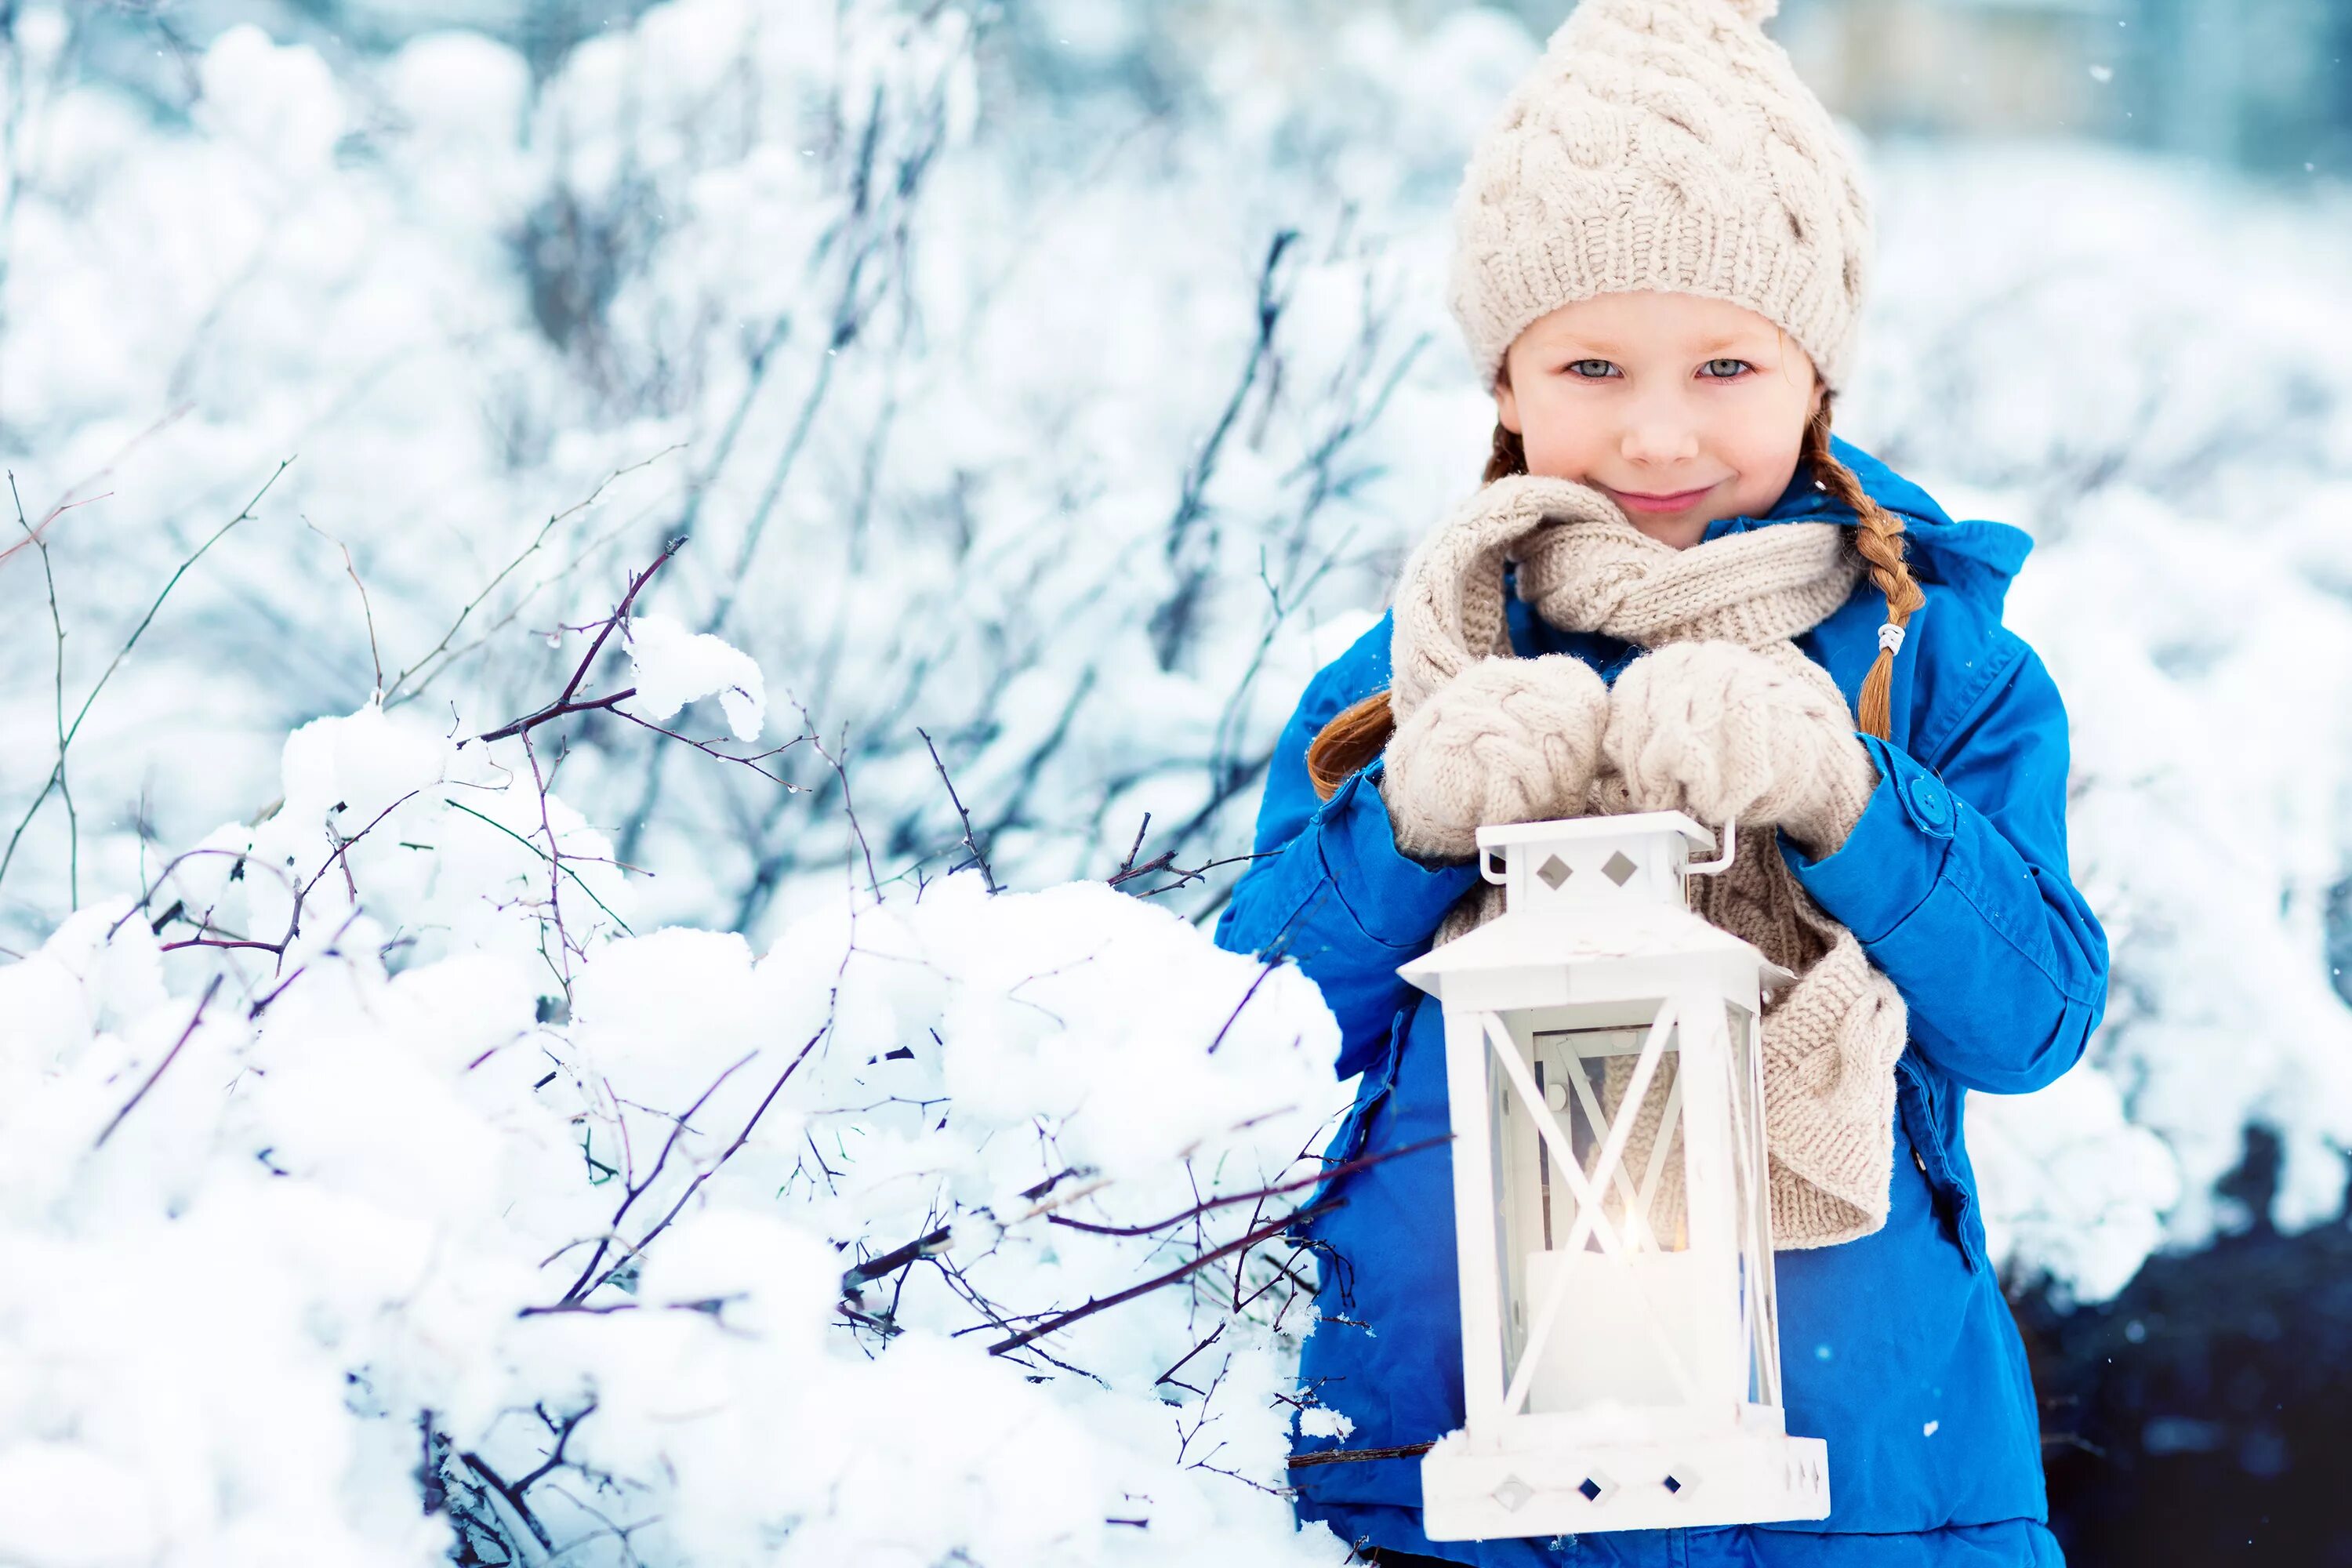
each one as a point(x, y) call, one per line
point(1727, 734)
point(1507, 739)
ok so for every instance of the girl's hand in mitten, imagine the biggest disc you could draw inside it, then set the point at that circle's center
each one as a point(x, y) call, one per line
point(1731, 735)
point(1507, 739)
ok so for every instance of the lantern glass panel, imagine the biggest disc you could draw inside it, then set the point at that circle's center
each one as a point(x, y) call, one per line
point(1640, 1315)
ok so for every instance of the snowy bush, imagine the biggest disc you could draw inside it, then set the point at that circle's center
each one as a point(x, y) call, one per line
point(375, 1187)
point(2133, 376)
point(1074, 467)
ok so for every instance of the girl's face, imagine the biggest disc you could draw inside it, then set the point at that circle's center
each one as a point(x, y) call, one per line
point(1681, 408)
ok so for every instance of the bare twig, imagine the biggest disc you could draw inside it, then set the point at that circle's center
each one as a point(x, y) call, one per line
point(366, 610)
point(1215, 1335)
point(563, 702)
point(194, 1019)
point(535, 849)
point(1264, 970)
point(979, 855)
point(512, 1498)
point(637, 1190)
point(712, 1169)
point(398, 691)
point(563, 1436)
point(56, 773)
point(72, 498)
point(342, 850)
point(556, 709)
point(1344, 1167)
point(848, 806)
point(58, 769)
point(897, 1257)
point(1357, 1455)
point(1063, 1320)
point(709, 749)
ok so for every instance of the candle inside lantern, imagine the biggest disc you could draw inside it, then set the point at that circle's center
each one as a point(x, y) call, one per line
point(1601, 1349)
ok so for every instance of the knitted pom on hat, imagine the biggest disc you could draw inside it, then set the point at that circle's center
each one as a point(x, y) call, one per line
point(1655, 145)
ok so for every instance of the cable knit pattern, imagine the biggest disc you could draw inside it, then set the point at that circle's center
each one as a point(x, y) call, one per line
point(1724, 720)
point(1507, 739)
point(1663, 144)
point(1449, 603)
point(1726, 733)
point(1755, 588)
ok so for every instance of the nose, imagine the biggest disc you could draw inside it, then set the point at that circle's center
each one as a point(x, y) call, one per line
point(1654, 439)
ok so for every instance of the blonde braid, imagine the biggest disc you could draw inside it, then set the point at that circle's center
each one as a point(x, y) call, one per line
point(1878, 536)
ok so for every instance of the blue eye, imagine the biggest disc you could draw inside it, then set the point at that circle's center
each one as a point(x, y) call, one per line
point(1593, 369)
point(1724, 369)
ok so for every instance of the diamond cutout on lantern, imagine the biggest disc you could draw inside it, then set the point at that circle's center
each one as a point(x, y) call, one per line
point(1620, 867)
point(1671, 1484)
point(1595, 1488)
point(1554, 871)
point(1513, 1494)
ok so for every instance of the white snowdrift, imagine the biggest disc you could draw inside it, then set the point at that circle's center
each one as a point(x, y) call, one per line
point(236, 1314)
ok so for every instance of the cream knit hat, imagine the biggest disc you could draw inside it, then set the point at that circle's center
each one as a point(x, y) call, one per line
point(1663, 144)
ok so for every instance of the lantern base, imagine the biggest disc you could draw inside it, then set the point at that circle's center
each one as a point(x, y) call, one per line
point(1555, 1488)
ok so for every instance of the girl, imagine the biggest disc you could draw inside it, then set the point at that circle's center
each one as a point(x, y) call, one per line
point(1676, 590)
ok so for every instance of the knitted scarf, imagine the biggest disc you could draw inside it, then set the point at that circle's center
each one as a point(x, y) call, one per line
point(1831, 1040)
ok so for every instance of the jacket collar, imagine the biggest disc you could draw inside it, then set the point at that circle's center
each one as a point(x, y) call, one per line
point(1974, 558)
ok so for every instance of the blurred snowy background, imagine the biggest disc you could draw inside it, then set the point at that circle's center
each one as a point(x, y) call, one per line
point(1041, 393)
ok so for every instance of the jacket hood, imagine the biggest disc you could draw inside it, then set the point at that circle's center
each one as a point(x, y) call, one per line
point(1974, 558)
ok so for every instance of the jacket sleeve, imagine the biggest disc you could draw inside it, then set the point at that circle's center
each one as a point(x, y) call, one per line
point(1955, 882)
point(1330, 889)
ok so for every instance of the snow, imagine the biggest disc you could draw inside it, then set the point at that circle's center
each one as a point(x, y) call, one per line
point(676, 667)
point(1324, 1422)
point(2175, 450)
point(1061, 406)
point(336, 1212)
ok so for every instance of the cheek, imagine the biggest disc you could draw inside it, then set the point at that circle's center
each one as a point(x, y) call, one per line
point(1565, 437)
point(1766, 464)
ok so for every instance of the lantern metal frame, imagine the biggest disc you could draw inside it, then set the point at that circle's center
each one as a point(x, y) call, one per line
point(1597, 954)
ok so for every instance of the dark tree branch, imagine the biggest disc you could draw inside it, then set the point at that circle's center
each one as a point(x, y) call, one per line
point(556, 709)
point(1063, 1320)
point(897, 1257)
point(1344, 1167)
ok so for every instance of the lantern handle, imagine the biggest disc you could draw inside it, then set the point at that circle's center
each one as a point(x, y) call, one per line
point(1729, 844)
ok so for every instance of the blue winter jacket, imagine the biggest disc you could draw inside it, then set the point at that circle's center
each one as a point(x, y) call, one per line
point(1896, 1348)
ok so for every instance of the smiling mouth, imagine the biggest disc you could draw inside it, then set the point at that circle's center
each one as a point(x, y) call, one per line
point(1673, 500)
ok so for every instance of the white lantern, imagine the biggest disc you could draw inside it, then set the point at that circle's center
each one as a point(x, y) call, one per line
point(1620, 1352)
